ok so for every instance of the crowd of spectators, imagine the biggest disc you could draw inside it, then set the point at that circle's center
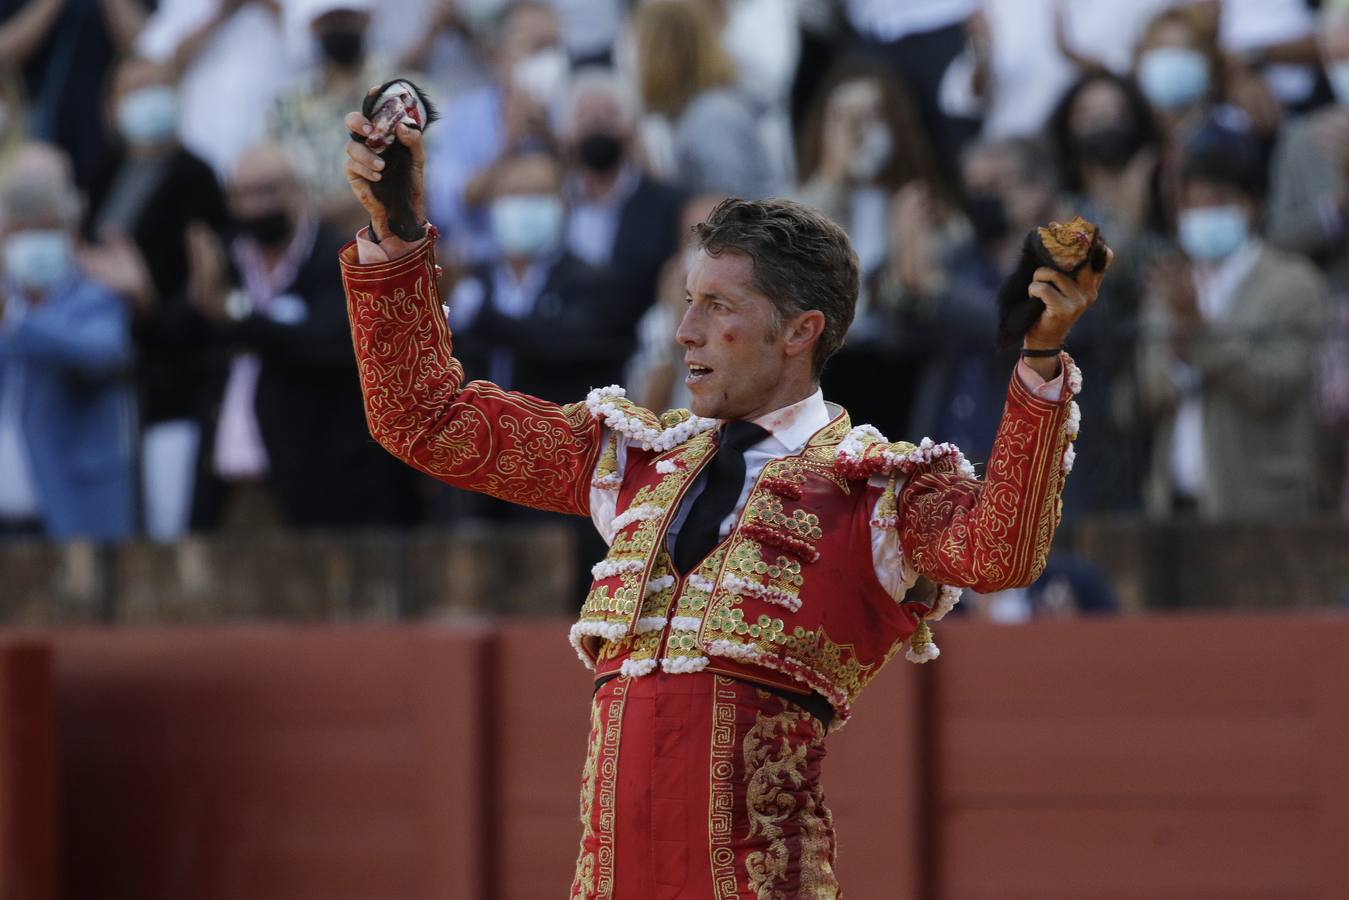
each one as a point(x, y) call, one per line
point(173, 344)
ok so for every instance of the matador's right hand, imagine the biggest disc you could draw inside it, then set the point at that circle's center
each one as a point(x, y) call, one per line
point(364, 167)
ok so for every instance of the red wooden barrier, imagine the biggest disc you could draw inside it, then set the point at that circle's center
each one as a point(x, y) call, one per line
point(27, 773)
point(1195, 758)
point(272, 764)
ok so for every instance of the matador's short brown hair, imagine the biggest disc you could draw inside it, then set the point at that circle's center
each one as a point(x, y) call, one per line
point(802, 261)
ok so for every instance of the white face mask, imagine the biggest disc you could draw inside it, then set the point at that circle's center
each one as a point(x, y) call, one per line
point(1212, 233)
point(543, 75)
point(526, 224)
point(1173, 77)
point(1337, 73)
point(872, 153)
point(38, 261)
point(148, 116)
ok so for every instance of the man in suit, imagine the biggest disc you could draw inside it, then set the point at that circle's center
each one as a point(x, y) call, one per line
point(67, 408)
point(617, 216)
point(284, 441)
point(1228, 341)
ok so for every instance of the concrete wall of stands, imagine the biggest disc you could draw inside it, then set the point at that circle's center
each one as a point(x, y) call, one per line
point(1195, 757)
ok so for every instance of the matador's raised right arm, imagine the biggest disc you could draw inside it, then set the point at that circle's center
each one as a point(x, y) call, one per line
point(474, 436)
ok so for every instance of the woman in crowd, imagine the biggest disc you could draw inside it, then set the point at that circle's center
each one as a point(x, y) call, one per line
point(861, 142)
point(700, 131)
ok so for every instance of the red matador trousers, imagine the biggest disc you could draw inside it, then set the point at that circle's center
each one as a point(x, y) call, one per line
point(702, 787)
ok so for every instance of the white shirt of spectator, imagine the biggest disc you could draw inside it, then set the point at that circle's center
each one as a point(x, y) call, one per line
point(1215, 288)
point(511, 296)
point(890, 20)
point(227, 89)
point(239, 453)
point(593, 225)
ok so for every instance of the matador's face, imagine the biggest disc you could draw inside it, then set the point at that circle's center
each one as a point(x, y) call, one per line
point(737, 357)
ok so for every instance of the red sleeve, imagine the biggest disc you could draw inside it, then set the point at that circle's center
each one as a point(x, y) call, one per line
point(474, 436)
point(991, 534)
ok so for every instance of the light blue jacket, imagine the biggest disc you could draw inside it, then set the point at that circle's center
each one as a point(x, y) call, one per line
point(77, 407)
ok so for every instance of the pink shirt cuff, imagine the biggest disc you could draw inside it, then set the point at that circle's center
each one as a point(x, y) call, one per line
point(387, 250)
point(1033, 381)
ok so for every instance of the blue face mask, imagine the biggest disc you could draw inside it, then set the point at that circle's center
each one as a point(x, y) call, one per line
point(149, 115)
point(1173, 77)
point(38, 261)
point(1212, 233)
point(526, 224)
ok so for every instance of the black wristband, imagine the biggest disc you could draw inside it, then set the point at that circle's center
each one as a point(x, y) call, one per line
point(1040, 354)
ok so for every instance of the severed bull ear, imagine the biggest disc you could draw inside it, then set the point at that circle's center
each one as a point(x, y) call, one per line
point(394, 103)
point(1066, 246)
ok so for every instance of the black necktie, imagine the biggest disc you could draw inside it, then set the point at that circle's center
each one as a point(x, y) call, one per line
point(725, 481)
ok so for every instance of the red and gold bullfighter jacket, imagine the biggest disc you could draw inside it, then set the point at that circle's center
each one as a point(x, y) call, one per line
point(790, 598)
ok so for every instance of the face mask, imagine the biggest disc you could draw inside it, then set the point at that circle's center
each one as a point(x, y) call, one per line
point(39, 260)
point(1211, 233)
point(988, 216)
point(1337, 73)
point(600, 152)
point(343, 46)
point(872, 153)
point(1173, 77)
point(526, 224)
point(149, 115)
point(1111, 147)
point(269, 229)
point(543, 75)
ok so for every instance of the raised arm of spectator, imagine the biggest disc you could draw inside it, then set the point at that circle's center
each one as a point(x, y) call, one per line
point(472, 435)
point(22, 33)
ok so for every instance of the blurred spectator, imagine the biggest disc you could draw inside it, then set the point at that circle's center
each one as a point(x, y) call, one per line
point(1308, 192)
point(141, 203)
point(13, 117)
point(301, 122)
point(861, 142)
point(1275, 38)
point(67, 410)
point(286, 440)
point(700, 131)
point(485, 125)
point(944, 314)
point(655, 374)
point(1307, 213)
point(918, 40)
point(1107, 146)
point(540, 320)
point(1182, 71)
point(763, 42)
point(618, 217)
point(1227, 348)
point(1040, 47)
point(438, 37)
point(231, 61)
point(62, 50)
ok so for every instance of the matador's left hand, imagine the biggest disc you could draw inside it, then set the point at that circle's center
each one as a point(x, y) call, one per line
point(1066, 298)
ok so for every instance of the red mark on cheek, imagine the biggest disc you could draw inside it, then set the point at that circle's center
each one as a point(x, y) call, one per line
point(728, 338)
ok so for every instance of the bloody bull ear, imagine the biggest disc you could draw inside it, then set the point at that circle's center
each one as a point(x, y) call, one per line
point(1066, 246)
point(394, 103)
